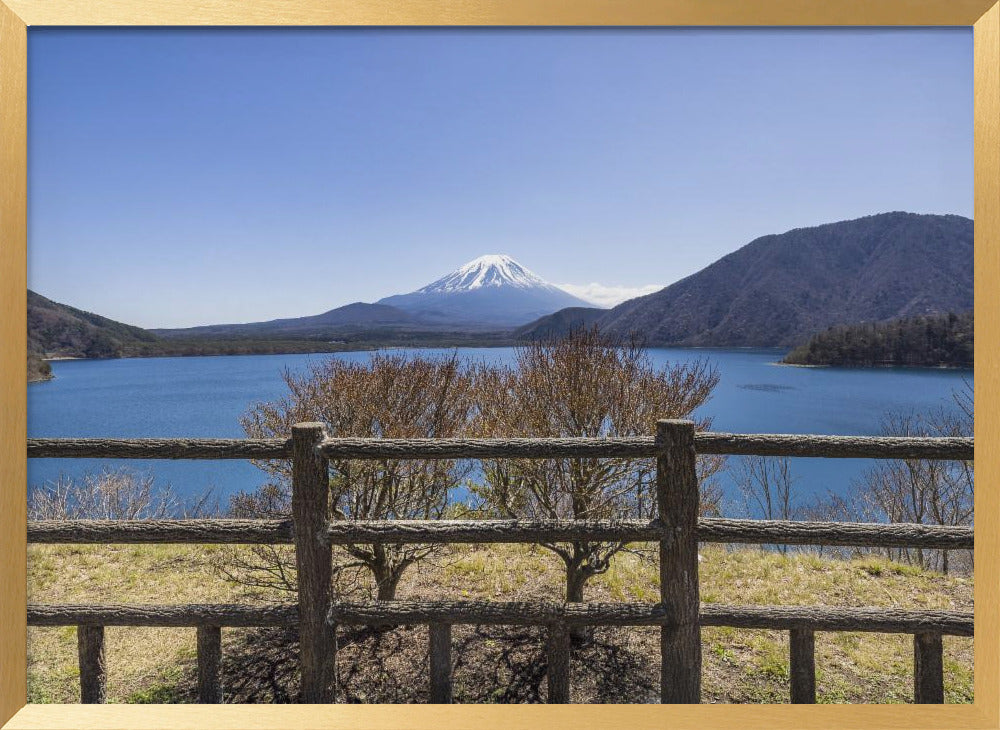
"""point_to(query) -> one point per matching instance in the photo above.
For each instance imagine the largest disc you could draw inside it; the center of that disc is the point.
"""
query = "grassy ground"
(494, 664)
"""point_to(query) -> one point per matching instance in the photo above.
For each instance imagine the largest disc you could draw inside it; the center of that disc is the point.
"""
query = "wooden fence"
(677, 529)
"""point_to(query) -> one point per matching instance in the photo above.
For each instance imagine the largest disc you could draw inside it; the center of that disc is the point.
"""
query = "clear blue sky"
(181, 177)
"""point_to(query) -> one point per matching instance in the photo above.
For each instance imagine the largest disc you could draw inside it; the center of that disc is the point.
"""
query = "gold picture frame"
(15, 18)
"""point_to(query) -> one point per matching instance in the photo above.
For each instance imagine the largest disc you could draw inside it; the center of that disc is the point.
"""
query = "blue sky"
(181, 177)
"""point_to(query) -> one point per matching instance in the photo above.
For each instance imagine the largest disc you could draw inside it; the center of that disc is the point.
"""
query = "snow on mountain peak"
(491, 290)
(492, 270)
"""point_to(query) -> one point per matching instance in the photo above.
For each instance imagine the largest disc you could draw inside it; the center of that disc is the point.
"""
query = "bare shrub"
(766, 484)
(923, 491)
(964, 398)
(113, 494)
(263, 569)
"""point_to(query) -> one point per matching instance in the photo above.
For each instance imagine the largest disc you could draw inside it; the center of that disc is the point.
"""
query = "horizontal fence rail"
(165, 448)
(845, 534)
(528, 613)
(710, 529)
(835, 447)
(511, 448)
(844, 447)
(133, 532)
(677, 530)
(190, 614)
(706, 442)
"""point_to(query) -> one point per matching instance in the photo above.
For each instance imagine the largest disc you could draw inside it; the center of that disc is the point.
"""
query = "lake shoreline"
(886, 366)
(500, 346)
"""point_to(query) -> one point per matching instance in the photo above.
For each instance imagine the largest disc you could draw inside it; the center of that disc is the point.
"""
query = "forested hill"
(558, 324)
(58, 330)
(940, 340)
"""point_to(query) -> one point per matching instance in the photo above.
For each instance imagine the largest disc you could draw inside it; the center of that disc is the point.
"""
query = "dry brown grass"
(496, 664)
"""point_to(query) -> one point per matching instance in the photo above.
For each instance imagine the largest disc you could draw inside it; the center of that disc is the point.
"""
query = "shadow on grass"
(492, 664)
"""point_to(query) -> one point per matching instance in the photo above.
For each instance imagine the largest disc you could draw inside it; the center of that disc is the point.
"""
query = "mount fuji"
(488, 296)
(492, 290)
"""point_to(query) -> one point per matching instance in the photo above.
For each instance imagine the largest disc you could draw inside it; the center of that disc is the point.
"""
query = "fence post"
(802, 666)
(440, 651)
(928, 669)
(93, 676)
(310, 512)
(558, 649)
(209, 665)
(677, 504)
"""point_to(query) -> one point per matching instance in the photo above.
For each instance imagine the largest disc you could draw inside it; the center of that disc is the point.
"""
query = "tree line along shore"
(940, 340)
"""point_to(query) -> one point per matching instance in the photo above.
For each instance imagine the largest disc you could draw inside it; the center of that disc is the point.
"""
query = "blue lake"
(205, 396)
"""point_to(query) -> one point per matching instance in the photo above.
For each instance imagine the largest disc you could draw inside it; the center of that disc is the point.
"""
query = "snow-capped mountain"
(492, 289)
(489, 270)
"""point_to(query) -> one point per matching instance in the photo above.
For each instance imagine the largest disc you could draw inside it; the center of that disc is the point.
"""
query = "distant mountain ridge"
(489, 294)
(780, 289)
(493, 289)
(348, 318)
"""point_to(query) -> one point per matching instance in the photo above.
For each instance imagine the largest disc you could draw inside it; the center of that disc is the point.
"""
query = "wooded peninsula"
(943, 340)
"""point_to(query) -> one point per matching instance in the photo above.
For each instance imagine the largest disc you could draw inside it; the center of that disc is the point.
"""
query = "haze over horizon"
(182, 177)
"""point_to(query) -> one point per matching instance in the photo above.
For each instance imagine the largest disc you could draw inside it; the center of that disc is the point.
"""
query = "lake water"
(205, 396)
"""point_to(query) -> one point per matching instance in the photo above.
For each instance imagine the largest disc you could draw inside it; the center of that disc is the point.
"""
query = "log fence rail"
(676, 528)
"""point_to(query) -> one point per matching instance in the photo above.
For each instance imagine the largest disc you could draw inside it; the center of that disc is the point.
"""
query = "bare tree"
(392, 396)
(766, 484)
(583, 385)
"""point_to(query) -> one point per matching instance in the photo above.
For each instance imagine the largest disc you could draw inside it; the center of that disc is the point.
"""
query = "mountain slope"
(58, 330)
(780, 289)
(491, 290)
(559, 323)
